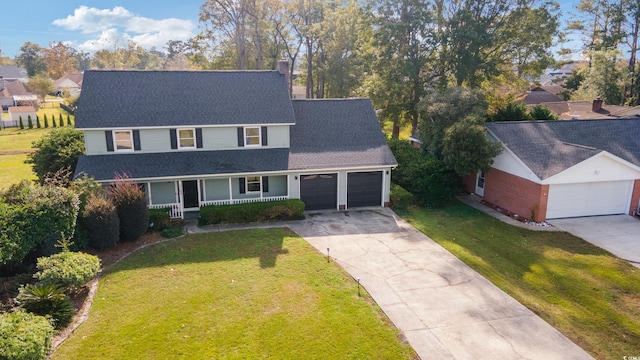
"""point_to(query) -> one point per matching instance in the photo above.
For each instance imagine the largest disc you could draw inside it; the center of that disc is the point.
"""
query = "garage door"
(588, 199)
(364, 189)
(319, 191)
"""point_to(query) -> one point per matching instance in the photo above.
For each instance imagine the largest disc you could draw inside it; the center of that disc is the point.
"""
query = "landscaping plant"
(24, 336)
(101, 222)
(68, 269)
(131, 206)
(49, 301)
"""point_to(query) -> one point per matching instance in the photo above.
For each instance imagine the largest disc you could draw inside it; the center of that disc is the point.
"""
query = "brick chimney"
(597, 104)
(283, 68)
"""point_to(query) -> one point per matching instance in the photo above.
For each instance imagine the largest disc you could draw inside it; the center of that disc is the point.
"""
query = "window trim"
(115, 141)
(253, 182)
(178, 138)
(259, 135)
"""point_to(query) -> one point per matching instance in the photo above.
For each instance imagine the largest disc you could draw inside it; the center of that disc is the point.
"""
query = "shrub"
(24, 336)
(172, 232)
(67, 269)
(56, 150)
(21, 123)
(46, 121)
(29, 122)
(292, 209)
(159, 219)
(38, 122)
(60, 121)
(49, 301)
(32, 215)
(100, 218)
(400, 197)
(68, 120)
(131, 205)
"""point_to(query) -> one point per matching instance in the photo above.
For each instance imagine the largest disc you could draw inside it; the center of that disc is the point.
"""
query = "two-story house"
(195, 138)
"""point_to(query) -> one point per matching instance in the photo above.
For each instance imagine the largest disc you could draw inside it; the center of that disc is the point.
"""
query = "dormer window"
(122, 140)
(252, 136)
(186, 138)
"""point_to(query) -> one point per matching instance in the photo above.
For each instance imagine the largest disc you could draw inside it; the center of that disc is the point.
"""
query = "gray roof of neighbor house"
(336, 133)
(138, 99)
(182, 163)
(13, 72)
(549, 147)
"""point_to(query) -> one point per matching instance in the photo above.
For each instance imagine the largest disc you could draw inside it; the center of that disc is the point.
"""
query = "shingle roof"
(549, 147)
(76, 78)
(14, 88)
(135, 99)
(535, 97)
(332, 133)
(182, 163)
(13, 72)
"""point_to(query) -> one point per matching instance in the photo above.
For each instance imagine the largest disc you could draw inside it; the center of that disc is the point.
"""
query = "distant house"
(231, 137)
(17, 112)
(559, 169)
(538, 95)
(14, 93)
(70, 83)
(12, 72)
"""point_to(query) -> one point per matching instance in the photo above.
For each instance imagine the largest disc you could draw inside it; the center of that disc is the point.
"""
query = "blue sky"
(93, 25)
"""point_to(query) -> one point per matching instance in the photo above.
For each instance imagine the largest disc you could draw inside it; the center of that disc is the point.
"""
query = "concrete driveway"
(444, 308)
(618, 234)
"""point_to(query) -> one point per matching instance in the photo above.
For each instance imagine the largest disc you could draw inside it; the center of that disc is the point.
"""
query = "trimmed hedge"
(100, 218)
(24, 336)
(400, 197)
(68, 269)
(159, 219)
(131, 206)
(292, 209)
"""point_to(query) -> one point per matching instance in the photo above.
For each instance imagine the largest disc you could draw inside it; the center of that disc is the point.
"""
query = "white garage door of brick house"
(589, 199)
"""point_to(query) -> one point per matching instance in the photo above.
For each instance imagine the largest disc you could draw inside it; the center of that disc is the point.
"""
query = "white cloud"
(115, 27)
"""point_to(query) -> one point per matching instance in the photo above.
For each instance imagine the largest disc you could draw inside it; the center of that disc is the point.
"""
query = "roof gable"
(332, 133)
(550, 147)
(135, 99)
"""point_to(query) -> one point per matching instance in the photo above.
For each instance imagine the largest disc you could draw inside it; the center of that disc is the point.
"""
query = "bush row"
(292, 209)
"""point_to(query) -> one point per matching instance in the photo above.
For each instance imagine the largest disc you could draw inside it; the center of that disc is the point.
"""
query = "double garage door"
(589, 199)
(320, 191)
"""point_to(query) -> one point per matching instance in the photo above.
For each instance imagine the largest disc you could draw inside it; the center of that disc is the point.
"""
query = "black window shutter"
(265, 184)
(264, 135)
(174, 138)
(240, 136)
(109, 136)
(199, 138)
(136, 140)
(242, 185)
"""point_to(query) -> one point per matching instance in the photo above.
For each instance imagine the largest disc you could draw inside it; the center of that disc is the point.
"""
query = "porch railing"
(242, 201)
(175, 210)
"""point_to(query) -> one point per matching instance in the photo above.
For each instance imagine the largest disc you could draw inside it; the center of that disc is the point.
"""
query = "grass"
(243, 295)
(583, 291)
(16, 143)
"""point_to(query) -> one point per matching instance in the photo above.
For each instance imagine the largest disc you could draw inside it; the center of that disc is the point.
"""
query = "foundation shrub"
(24, 336)
(292, 209)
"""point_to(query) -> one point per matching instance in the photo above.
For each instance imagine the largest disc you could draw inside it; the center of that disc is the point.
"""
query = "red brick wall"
(635, 198)
(469, 183)
(516, 194)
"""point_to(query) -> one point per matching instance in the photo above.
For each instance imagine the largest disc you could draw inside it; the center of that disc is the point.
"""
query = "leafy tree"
(31, 58)
(508, 109)
(440, 110)
(466, 147)
(41, 85)
(604, 78)
(541, 112)
(60, 59)
(56, 150)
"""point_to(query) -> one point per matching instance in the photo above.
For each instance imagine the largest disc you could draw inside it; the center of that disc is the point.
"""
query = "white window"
(252, 136)
(122, 140)
(186, 138)
(253, 184)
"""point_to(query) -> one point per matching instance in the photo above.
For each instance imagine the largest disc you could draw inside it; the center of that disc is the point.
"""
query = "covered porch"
(186, 195)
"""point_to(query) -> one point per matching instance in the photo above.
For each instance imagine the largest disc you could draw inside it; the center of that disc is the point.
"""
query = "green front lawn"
(242, 294)
(581, 290)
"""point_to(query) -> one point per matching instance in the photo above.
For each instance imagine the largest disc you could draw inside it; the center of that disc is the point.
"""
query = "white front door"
(480, 183)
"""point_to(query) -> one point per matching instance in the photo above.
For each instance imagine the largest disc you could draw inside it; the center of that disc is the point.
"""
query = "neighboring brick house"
(195, 138)
(557, 169)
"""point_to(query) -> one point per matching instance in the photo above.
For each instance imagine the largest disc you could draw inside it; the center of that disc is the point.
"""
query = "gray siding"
(217, 189)
(277, 186)
(163, 193)
(95, 142)
(155, 140)
(278, 136)
(219, 138)
(236, 191)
